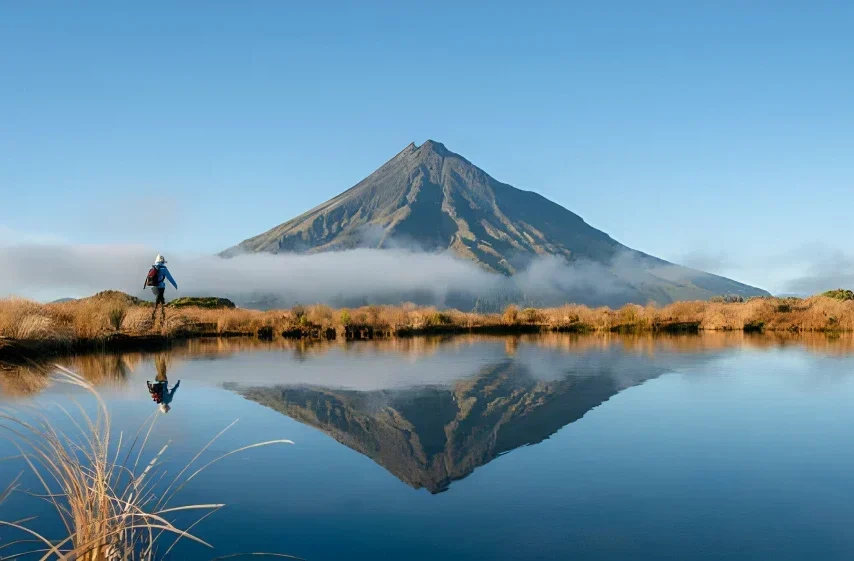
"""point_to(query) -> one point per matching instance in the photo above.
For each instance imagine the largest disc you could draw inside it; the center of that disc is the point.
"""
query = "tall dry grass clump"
(321, 315)
(823, 313)
(27, 320)
(92, 317)
(511, 314)
(116, 315)
(112, 503)
(228, 321)
(137, 319)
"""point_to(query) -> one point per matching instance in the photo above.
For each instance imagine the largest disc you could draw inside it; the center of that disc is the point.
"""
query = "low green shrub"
(839, 294)
(208, 302)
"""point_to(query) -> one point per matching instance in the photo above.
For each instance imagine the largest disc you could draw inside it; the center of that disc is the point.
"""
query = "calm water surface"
(554, 447)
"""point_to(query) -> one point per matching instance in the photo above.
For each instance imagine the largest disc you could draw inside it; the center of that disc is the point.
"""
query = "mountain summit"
(428, 197)
(433, 199)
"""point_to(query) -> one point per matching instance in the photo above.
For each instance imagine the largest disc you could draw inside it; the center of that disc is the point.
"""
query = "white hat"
(164, 408)
(159, 259)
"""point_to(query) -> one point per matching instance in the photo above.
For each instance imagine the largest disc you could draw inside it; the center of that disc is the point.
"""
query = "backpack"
(153, 277)
(156, 391)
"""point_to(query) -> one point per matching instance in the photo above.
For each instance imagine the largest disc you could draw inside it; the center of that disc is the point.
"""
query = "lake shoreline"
(15, 351)
(114, 321)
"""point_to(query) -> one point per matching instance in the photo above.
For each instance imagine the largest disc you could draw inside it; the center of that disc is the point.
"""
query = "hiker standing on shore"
(156, 279)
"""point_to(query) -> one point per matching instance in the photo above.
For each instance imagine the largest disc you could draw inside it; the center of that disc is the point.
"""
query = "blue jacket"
(169, 394)
(164, 274)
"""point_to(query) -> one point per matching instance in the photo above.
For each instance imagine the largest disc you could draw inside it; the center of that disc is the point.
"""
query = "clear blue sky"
(718, 133)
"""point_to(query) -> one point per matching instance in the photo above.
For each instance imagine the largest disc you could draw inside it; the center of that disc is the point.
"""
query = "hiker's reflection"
(159, 390)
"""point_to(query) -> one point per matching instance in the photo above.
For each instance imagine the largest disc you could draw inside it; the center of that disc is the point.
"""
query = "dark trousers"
(158, 292)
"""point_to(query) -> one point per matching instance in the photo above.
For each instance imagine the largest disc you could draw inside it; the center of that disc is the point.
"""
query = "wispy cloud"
(10, 236)
(389, 275)
(823, 268)
(84, 269)
(807, 269)
(712, 262)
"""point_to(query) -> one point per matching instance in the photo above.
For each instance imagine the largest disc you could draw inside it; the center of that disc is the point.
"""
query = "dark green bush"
(208, 302)
(839, 294)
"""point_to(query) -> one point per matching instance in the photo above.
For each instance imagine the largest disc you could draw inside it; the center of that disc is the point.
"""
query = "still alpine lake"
(718, 446)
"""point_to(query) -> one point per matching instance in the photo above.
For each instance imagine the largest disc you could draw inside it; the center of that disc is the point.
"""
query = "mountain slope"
(427, 196)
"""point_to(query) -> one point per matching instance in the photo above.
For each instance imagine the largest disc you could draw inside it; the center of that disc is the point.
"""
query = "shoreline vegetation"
(114, 320)
(114, 368)
(110, 504)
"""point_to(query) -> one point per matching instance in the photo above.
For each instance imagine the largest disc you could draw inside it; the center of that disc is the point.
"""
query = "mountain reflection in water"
(430, 436)
(447, 414)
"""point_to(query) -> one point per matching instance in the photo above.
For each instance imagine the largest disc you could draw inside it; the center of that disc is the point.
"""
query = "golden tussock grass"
(113, 503)
(107, 315)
